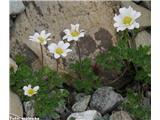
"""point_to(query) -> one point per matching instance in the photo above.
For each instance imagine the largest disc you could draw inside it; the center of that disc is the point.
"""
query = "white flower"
(74, 33)
(126, 19)
(41, 38)
(29, 91)
(59, 50)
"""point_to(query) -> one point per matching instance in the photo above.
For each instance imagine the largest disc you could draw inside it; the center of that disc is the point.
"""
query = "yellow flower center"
(31, 91)
(75, 33)
(127, 20)
(59, 51)
(41, 40)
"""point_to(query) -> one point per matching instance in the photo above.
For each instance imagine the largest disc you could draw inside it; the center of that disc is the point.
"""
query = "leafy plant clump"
(133, 104)
(87, 80)
(122, 55)
(51, 94)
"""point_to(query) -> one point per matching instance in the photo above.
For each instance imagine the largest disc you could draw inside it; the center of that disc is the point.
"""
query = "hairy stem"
(63, 63)
(42, 54)
(57, 62)
(57, 65)
(127, 36)
(80, 61)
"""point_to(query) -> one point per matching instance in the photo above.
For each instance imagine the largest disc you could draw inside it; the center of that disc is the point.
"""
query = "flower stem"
(42, 54)
(57, 61)
(63, 63)
(79, 52)
(80, 61)
(127, 36)
(129, 43)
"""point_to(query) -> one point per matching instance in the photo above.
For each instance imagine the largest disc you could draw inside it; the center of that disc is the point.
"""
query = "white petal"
(64, 54)
(65, 37)
(26, 93)
(29, 86)
(116, 25)
(76, 38)
(52, 47)
(131, 27)
(73, 27)
(34, 40)
(31, 37)
(60, 44)
(77, 27)
(68, 50)
(137, 15)
(81, 34)
(44, 43)
(122, 10)
(117, 18)
(136, 25)
(66, 31)
(130, 9)
(47, 35)
(48, 39)
(43, 33)
(70, 38)
(36, 88)
(66, 45)
(56, 55)
(126, 12)
(25, 88)
(121, 28)
(36, 35)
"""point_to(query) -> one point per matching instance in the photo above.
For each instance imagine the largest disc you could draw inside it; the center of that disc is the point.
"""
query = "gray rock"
(79, 96)
(16, 108)
(147, 4)
(46, 118)
(16, 7)
(143, 38)
(87, 115)
(148, 94)
(60, 109)
(81, 104)
(145, 19)
(146, 102)
(29, 108)
(10, 23)
(13, 65)
(105, 117)
(36, 65)
(120, 115)
(105, 99)
(137, 1)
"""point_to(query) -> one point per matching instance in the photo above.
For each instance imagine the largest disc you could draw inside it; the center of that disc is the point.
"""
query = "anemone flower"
(29, 91)
(126, 19)
(42, 39)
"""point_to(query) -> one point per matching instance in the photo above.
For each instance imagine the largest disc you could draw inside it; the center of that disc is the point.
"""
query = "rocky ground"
(97, 19)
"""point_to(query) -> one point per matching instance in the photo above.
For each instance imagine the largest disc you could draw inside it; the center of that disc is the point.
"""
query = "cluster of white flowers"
(125, 20)
(61, 49)
(58, 50)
